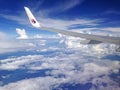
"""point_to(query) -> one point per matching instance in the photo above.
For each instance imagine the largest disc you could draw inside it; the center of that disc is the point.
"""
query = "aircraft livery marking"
(33, 21)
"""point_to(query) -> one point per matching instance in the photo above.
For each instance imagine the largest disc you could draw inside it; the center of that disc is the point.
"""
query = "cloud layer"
(64, 66)
(64, 61)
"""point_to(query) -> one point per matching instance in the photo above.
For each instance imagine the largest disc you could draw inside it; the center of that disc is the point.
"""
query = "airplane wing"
(93, 38)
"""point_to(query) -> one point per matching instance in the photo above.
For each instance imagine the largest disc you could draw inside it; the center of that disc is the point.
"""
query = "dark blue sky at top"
(87, 7)
(101, 9)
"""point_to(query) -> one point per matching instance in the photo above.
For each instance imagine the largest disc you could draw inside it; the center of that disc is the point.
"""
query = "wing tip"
(31, 17)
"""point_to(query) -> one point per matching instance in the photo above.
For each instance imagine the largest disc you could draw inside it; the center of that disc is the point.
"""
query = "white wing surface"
(93, 38)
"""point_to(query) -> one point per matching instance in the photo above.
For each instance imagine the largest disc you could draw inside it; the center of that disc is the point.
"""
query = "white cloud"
(8, 44)
(79, 43)
(113, 29)
(98, 84)
(64, 24)
(43, 40)
(61, 23)
(76, 66)
(40, 83)
(3, 36)
(19, 19)
(56, 23)
(37, 36)
(22, 33)
(72, 3)
(61, 7)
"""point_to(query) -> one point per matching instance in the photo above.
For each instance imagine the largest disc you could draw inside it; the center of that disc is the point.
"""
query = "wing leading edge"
(96, 38)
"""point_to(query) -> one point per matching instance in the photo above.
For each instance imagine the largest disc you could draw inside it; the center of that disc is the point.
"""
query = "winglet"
(32, 19)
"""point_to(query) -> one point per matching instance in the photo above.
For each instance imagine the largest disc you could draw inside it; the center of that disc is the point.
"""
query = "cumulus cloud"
(44, 83)
(43, 40)
(82, 68)
(22, 33)
(24, 43)
(73, 42)
(12, 45)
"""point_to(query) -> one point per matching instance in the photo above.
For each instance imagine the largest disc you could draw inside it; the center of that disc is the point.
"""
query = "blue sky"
(77, 13)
